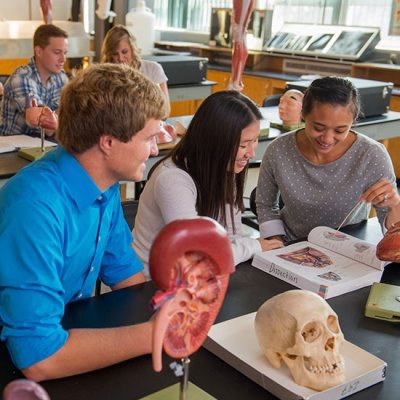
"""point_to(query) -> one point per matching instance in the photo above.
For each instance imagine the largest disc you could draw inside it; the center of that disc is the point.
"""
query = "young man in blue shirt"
(62, 226)
(36, 87)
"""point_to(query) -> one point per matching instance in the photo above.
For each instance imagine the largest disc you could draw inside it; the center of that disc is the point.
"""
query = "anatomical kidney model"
(290, 106)
(299, 328)
(190, 261)
(388, 248)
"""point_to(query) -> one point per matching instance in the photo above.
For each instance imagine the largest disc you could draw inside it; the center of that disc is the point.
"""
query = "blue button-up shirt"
(58, 232)
(24, 82)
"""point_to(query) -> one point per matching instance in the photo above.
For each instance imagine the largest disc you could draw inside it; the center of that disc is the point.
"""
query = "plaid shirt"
(24, 82)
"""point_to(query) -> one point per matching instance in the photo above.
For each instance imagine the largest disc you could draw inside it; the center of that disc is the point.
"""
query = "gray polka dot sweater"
(317, 195)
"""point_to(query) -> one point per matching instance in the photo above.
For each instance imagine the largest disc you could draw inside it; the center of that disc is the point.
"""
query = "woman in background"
(323, 170)
(119, 46)
(204, 175)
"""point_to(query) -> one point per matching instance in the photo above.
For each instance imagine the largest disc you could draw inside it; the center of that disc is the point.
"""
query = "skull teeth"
(323, 369)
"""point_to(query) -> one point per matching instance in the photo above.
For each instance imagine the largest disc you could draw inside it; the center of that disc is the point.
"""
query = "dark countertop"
(263, 74)
(248, 288)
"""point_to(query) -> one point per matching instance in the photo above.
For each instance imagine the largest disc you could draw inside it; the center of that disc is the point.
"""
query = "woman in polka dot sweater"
(321, 171)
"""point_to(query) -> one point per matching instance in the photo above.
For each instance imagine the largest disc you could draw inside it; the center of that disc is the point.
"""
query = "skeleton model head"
(300, 328)
(290, 106)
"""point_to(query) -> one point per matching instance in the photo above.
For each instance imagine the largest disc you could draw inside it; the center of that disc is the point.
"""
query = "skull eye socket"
(311, 332)
(333, 324)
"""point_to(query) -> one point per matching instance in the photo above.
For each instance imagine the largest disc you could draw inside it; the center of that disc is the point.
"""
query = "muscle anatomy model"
(240, 18)
(47, 11)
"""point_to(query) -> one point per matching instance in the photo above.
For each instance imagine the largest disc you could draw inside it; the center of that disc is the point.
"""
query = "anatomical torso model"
(190, 261)
(240, 17)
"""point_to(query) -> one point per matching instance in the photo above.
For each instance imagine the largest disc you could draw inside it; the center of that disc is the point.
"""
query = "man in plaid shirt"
(32, 93)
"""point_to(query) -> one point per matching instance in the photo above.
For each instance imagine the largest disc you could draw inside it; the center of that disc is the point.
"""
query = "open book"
(330, 263)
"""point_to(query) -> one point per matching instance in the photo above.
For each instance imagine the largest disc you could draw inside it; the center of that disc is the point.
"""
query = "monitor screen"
(220, 27)
(298, 42)
(279, 40)
(350, 42)
(319, 42)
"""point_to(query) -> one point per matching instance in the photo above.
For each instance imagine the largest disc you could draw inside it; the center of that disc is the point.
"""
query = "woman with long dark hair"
(205, 175)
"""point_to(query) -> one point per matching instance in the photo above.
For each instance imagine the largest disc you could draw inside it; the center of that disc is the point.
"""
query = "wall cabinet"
(386, 73)
(255, 87)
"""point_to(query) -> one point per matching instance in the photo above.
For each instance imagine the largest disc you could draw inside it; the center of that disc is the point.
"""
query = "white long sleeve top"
(171, 194)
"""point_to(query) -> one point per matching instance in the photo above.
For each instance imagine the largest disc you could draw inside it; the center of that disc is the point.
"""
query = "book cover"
(330, 263)
(235, 342)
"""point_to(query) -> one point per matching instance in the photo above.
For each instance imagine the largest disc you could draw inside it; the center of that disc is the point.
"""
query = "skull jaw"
(320, 374)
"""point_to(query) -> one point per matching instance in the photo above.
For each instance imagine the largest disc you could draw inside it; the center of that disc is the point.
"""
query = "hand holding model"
(41, 116)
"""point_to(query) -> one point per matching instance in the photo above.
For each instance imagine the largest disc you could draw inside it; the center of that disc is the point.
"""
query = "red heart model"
(388, 248)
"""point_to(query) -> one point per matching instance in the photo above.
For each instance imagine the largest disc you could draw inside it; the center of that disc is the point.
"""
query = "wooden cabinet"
(385, 73)
(221, 77)
(255, 87)
(377, 72)
(179, 108)
(394, 144)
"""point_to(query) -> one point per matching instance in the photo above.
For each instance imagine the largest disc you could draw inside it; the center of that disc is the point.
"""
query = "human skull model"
(300, 328)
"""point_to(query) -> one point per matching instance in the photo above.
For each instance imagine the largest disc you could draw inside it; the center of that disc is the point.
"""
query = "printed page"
(347, 245)
(22, 141)
(316, 264)
(6, 146)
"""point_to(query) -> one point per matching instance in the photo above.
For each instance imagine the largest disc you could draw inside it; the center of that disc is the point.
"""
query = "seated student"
(323, 170)
(119, 46)
(204, 175)
(62, 225)
(32, 93)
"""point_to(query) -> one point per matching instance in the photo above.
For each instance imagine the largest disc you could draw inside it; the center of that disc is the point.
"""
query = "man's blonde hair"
(110, 99)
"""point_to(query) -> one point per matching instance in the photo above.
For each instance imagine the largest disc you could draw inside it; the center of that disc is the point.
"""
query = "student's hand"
(382, 194)
(32, 115)
(171, 130)
(167, 134)
(270, 244)
(48, 120)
